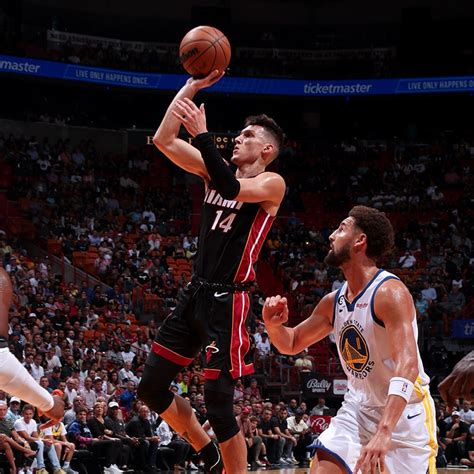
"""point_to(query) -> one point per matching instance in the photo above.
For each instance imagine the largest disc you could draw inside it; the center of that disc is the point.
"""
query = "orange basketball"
(204, 49)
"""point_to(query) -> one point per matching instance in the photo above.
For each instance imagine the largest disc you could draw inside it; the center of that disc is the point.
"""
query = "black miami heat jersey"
(230, 239)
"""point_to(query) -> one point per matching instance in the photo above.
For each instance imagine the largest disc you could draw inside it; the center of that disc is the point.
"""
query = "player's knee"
(158, 398)
(154, 390)
(220, 414)
(224, 427)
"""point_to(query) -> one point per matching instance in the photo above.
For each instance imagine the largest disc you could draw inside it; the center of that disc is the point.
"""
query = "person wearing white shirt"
(466, 413)
(263, 347)
(70, 390)
(127, 354)
(37, 370)
(26, 428)
(428, 292)
(407, 261)
(126, 373)
(52, 360)
(88, 394)
(179, 447)
(302, 432)
(258, 335)
(150, 215)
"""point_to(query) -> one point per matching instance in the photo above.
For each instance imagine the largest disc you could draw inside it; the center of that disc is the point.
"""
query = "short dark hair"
(269, 125)
(377, 227)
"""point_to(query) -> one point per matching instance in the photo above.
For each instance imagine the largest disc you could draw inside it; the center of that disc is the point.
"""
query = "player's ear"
(361, 242)
(267, 152)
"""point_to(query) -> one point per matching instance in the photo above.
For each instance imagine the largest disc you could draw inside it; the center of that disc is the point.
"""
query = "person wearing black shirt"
(117, 428)
(456, 435)
(80, 434)
(140, 427)
(96, 424)
(269, 438)
(287, 440)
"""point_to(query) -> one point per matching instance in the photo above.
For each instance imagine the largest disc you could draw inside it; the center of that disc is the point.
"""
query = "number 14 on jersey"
(224, 224)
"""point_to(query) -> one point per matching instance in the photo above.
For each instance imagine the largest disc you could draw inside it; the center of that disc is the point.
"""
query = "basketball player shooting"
(387, 421)
(14, 378)
(237, 213)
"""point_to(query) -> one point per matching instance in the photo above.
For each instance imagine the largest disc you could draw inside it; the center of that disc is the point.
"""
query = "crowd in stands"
(86, 340)
(434, 251)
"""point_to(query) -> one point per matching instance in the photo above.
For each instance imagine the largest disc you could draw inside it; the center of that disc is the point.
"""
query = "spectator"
(140, 427)
(179, 448)
(16, 448)
(70, 392)
(26, 428)
(37, 370)
(466, 414)
(319, 408)
(127, 354)
(302, 432)
(304, 362)
(116, 426)
(456, 434)
(269, 438)
(239, 391)
(253, 390)
(407, 261)
(88, 394)
(96, 424)
(64, 449)
(13, 413)
(125, 373)
(469, 451)
(245, 426)
(71, 414)
(128, 396)
(428, 292)
(287, 441)
(44, 382)
(82, 438)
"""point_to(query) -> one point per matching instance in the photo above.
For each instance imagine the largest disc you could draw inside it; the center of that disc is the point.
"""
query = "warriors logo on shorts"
(353, 348)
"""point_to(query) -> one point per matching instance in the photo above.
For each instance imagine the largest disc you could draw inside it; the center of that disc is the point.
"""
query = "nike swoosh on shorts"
(217, 295)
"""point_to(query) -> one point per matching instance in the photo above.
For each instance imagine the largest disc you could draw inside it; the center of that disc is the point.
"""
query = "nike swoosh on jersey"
(217, 295)
(413, 416)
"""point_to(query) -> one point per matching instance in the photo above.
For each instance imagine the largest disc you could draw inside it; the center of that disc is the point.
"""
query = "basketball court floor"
(305, 470)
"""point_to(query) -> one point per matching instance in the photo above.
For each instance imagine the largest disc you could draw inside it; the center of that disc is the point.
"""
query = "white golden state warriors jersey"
(363, 346)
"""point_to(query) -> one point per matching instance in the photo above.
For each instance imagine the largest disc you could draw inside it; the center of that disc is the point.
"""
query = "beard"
(336, 259)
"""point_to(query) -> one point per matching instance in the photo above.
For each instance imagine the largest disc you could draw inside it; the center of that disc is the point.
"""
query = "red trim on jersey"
(212, 374)
(170, 355)
(240, 341)
(258, 232)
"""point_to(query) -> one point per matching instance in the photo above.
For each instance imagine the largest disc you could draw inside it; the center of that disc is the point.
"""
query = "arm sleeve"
(15, 380)
(221, 175)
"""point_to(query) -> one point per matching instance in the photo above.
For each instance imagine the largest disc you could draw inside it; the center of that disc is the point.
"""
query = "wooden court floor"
(305, 470)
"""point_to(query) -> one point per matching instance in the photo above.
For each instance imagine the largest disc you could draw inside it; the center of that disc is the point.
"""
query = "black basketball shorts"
(212, 317)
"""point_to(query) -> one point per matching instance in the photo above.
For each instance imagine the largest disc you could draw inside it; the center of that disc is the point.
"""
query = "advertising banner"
(319, 423)
(463, 329)
(236, 85)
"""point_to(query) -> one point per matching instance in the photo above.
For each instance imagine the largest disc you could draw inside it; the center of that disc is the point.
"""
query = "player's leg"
(219, 395)
(154, 391)
(338, 448)
(414, 447)
(325, 463)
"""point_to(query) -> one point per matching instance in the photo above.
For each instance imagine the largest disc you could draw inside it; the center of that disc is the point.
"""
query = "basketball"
(204, 49)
